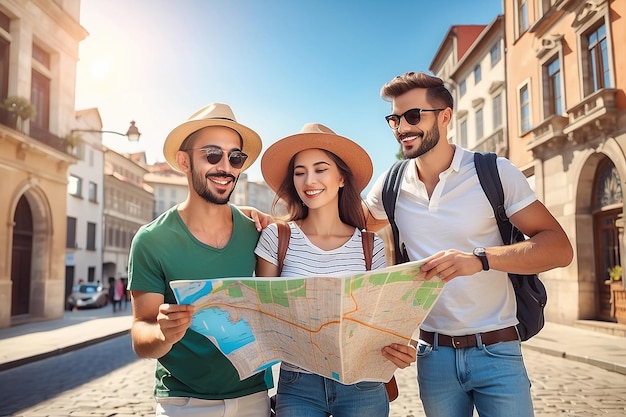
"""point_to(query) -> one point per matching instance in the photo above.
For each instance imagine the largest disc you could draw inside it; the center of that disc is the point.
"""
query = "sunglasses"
(412, 117)
(214, 155)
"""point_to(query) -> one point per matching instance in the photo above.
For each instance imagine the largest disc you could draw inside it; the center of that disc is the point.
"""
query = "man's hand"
(401, 355)
(261, 220)
(450, 264)
(173, 321)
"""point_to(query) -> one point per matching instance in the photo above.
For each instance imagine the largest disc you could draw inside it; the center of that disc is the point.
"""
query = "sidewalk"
(26, 343)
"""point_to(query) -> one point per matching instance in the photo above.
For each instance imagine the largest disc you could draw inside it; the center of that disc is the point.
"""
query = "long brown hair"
(350, 211)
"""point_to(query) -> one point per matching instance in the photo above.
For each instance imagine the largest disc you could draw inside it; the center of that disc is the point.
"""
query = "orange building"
(566, 80)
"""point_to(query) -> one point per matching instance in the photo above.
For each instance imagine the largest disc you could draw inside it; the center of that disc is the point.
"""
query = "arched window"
(607, 207)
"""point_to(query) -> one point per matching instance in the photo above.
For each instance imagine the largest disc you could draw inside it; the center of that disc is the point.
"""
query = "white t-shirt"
(304, 259)
(458, 216)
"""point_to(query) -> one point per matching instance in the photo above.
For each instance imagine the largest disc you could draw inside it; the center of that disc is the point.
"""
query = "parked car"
(88, 295)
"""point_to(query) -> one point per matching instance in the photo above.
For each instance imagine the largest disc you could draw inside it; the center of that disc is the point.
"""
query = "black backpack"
(530, 293)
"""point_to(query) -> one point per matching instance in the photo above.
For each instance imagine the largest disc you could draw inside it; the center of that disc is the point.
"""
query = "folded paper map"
(333, 326)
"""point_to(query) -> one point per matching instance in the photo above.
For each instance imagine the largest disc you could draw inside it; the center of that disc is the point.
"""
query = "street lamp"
(132, 133)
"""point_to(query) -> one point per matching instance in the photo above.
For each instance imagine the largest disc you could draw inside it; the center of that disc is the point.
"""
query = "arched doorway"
(21, 258)
(606, 208)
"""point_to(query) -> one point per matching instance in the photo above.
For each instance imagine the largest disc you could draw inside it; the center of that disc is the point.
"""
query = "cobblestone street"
(560, 387)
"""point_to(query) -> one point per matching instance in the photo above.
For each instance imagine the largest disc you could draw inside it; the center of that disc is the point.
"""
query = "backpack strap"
(367, 239)
(489, 177)
(284, 235)
(391, 189)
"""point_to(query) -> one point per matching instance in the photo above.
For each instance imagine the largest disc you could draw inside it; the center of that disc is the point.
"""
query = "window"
(552, 76)
(71, 233)
(546, 5)
(75, 185)
(497, 111)
(5, 22)
(5, 46)
(597, 73)
(40, 88)
(477, 74)
(40, 98)
(91, 236)
(41, 56)
(480, 131)
(463, 133)
(462, 88)
(524, 108)
(93, 192)
(495, 54)
(91, 274)
(522, 17)
(109, 232)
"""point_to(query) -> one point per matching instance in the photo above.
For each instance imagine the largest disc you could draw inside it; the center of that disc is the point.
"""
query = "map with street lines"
(332, 326)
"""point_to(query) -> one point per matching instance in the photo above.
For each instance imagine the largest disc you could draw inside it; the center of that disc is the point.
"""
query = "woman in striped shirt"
(318, 176)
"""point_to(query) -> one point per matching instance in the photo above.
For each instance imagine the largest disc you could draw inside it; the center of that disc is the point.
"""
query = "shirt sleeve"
(267, 246)
(517, 191)
(374, 199)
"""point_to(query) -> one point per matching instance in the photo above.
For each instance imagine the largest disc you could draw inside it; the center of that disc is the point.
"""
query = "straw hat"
(275, 160)
(214, 114)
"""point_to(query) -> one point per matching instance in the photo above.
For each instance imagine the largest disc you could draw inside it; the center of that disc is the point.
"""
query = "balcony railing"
(591, 117)
(548, 134)
(8, 119)
(42, 135)
(496, 142)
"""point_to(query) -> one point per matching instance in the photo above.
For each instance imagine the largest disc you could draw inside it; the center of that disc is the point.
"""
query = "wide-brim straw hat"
(275, 160)
(214, 114)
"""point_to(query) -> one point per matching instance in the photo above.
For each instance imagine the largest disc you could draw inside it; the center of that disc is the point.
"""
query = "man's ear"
(446, 116)
(183, 161)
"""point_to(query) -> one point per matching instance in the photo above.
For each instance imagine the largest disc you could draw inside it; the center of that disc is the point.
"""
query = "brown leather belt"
(507, 334)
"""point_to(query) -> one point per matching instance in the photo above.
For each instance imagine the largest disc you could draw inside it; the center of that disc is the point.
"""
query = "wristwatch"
(482, 255)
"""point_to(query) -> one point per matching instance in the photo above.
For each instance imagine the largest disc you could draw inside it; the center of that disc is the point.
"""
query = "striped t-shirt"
(304, 259)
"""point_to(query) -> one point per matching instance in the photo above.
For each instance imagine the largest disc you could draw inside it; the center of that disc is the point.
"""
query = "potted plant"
(73, 139)
(21, 108)
(618, 294)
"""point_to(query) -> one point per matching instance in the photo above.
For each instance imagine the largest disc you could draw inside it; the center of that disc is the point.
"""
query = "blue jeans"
(310, 395)
(491, 378)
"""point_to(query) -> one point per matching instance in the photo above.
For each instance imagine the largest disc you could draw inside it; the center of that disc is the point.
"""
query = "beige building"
(471, 62)
(38, 54)
(128, 204)
(83, 258)
(170, 186)
(566, 80)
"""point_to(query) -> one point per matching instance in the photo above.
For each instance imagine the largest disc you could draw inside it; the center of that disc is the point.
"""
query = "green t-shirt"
(164, 251)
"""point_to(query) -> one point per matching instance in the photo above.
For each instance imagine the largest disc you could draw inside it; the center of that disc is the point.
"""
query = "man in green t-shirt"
(202, 237)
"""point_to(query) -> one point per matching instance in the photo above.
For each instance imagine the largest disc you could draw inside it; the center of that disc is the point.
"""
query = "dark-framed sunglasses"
(412, 117)
(213, 155)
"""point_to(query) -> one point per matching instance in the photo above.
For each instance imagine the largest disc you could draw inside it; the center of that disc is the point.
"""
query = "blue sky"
(278, 63)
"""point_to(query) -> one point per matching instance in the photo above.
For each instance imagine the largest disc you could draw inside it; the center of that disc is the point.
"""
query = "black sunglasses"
(412, 117)
(214, 155)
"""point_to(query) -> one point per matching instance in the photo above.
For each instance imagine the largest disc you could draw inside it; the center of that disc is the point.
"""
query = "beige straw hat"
(214, 114)
(275, 160)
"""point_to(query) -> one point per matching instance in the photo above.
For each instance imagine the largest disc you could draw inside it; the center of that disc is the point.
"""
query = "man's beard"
(200, 186)
(428, 142)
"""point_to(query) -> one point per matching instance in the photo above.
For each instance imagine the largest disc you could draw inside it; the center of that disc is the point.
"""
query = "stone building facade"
(38, 53)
